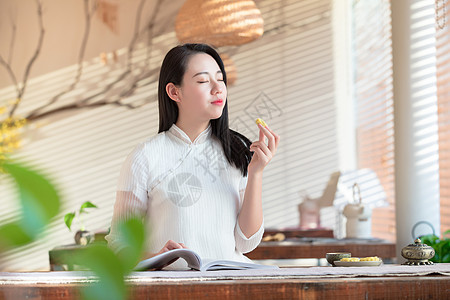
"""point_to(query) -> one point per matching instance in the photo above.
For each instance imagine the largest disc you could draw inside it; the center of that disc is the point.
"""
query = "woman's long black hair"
(235, 145)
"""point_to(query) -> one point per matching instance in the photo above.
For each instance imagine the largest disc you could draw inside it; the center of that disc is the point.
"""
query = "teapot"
(359, 217)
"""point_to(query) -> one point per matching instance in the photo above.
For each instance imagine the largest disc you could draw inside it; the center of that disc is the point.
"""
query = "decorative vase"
(418, 253)
(83, 237)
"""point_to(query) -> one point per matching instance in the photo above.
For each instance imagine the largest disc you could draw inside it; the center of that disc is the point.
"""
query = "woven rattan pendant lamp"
(219, 22)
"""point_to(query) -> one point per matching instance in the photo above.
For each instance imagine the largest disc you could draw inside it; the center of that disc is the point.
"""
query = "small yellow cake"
(261, 121)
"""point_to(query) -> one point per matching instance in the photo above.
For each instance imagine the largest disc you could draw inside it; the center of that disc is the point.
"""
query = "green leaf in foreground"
(39, 202)
(13, 235)
(132, 236)
(109, 267)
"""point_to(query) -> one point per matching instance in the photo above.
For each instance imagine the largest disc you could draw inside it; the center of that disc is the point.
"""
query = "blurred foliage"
(110, 267)
(440, 245)
(39, 203)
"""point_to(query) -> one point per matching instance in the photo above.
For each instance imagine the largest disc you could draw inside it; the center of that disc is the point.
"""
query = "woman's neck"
(192, 129)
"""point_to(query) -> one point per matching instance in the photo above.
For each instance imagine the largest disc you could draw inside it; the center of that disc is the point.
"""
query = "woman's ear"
(173, 92)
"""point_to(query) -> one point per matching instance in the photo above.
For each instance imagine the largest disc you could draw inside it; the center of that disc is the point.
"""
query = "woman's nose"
(217, 89)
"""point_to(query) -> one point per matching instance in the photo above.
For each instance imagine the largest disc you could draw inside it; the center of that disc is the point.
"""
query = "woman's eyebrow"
(206, 73)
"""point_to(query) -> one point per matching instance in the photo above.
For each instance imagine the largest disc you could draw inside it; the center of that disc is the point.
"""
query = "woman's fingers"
(262, 152)
(272, 138)
(260, 155)
(171, 245)
(276, 137)
(261, 133)
(263, 147)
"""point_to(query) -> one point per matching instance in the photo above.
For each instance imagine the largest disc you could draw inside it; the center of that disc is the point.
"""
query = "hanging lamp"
(219, 22)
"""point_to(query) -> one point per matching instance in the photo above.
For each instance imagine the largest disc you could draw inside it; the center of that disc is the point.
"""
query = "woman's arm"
(128, 206)
(251, 214)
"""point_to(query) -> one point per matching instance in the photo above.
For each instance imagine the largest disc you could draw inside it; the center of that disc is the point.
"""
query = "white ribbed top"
(188, 192)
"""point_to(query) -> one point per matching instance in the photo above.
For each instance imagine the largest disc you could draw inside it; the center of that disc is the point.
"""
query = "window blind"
(443, 96)
(374, 103)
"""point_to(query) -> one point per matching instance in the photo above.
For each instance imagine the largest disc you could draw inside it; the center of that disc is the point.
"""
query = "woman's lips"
(218, 102)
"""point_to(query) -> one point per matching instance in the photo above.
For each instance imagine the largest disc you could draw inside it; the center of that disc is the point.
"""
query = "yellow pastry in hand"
(261, 121)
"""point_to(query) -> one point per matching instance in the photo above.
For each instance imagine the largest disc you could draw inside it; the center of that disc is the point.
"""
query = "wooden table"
(402, 287)
(298, 232)
(291, 249)
(316, 249)
(434, 287)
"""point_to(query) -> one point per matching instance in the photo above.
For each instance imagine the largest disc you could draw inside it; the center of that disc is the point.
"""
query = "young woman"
(197, 183)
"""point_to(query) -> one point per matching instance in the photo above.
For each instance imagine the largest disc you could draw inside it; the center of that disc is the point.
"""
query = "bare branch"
(11, 45)
(107, 88)
(11, 73)
(135, 34)
(94, 7)
(32, 60)
(147, 29)
(144, 77)
(124, 93)
(74, 106)
(150, 26)
(7, 63)
(131, 89)
(117, 101)
(130, 50)
(88, 18)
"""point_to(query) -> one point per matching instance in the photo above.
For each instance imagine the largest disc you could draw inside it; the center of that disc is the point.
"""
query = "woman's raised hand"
(263, 153)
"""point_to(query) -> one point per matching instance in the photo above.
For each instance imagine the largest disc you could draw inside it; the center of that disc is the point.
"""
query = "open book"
(195, 262)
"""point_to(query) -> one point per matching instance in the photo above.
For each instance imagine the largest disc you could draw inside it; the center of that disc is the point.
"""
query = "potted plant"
(441, 246)
(82, 236)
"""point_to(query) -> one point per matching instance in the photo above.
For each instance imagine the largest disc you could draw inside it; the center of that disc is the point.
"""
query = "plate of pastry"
(373, 261)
